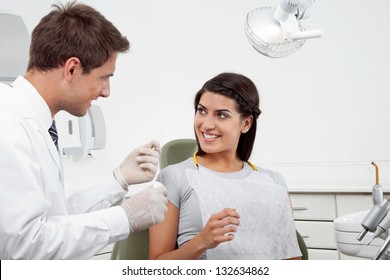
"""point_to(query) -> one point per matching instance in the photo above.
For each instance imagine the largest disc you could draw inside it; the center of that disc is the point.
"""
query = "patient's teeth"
(209, 136)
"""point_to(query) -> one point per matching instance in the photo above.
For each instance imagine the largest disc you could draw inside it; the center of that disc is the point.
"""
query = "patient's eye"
(222, 115)
(201, 110)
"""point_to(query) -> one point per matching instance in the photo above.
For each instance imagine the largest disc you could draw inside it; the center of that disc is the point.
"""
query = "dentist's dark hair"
(74, 30)
(242, 90)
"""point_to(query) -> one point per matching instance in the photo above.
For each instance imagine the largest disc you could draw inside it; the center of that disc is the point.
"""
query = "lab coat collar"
(35, 107)
(35, 104)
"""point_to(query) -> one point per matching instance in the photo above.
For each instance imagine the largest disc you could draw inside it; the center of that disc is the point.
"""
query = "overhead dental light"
(277, 32)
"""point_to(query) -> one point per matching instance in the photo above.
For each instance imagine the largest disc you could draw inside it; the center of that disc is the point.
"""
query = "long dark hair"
(241, 89)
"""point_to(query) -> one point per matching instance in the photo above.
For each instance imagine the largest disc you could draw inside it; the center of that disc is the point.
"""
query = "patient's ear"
(246, 125)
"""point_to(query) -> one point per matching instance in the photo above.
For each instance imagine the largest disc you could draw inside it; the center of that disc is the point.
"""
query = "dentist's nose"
(106, 90)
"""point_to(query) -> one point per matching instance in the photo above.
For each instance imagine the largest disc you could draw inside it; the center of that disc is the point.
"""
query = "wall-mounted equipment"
(81, 137)
(14, 47)
(277, 32)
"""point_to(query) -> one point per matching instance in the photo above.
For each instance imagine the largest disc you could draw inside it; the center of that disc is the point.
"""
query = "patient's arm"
(162, 237)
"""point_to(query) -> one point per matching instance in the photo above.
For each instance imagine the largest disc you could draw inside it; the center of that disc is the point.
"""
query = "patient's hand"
(219, 228)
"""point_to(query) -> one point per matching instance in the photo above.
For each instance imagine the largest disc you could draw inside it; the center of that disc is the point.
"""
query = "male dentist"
(72, 57)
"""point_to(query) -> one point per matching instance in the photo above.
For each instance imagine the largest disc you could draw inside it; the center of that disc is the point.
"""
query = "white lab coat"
(37, 220)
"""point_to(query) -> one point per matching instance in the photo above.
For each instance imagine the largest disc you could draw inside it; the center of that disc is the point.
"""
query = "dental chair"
(136, 246)
(302, 246)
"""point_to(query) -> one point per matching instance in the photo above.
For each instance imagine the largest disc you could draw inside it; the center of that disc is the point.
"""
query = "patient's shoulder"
(178, 167)
(275, 176)
(175, 174)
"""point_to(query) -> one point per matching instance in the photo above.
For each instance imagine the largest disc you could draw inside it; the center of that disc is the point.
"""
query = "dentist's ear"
(71, 66)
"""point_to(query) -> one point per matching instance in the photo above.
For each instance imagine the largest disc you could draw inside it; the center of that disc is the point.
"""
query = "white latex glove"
(146, 208)
(139, 166)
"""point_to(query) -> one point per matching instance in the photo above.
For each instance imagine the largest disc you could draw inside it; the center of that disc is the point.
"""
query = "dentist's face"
(88, 87)
(218, 124)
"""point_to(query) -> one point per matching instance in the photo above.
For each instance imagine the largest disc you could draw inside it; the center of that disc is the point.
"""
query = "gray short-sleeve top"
(271, 242)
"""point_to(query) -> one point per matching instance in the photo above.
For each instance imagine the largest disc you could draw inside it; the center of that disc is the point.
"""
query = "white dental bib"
(266, 229)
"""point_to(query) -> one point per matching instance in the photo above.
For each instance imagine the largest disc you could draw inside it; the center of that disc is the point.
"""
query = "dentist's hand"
(139, 166)
(146, 208)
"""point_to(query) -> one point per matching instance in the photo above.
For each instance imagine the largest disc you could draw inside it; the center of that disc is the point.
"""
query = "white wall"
(327, 104)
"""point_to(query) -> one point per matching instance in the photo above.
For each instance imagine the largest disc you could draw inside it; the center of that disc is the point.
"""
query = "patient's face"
(218, 124)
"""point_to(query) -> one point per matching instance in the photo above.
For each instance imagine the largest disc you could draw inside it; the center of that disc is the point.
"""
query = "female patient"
(220, 205)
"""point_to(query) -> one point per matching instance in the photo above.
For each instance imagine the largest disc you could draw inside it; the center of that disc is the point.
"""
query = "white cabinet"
(316, 254)
(314, 206)
(350, 203)
(314, 214)
(317, 234)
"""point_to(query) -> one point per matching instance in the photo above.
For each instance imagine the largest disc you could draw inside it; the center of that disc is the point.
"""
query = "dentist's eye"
(106, 78)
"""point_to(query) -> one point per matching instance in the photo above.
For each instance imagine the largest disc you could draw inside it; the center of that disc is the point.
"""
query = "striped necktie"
(54, 134)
